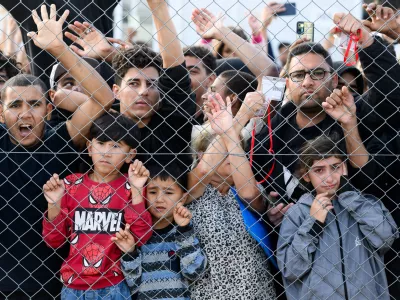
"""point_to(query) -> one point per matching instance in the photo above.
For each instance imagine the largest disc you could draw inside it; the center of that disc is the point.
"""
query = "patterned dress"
(237, 266)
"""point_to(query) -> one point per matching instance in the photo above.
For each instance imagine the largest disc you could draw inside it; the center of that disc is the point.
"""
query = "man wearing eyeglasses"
(315, 108)
(310, 81)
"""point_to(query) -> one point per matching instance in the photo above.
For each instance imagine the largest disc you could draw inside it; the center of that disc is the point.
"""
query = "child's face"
(108, 157)
(162, 197)
(325, 174)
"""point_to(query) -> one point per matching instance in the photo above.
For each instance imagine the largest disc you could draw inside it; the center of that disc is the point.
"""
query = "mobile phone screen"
(305, 29)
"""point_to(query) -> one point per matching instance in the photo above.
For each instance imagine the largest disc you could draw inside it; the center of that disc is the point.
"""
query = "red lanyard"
(271, 147)
(354, 38)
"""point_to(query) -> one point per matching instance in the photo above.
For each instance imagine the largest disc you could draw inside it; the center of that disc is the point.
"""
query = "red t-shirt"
(92, 212)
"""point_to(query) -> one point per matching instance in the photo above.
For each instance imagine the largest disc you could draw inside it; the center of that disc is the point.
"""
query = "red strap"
(354, 38)
(271, 146)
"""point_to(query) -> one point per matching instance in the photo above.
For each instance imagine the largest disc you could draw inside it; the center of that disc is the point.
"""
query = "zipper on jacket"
(346, 295)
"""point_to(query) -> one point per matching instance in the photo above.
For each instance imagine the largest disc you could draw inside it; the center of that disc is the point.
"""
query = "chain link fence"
(218, 150)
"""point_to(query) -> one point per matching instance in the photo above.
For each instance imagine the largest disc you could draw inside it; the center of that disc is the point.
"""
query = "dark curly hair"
(138, 57)
(207, 58)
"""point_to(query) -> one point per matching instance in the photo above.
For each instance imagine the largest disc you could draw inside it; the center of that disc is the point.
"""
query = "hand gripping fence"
(157, 149)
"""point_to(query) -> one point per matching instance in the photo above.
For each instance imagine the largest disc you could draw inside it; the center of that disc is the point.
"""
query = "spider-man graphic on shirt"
(91, 213)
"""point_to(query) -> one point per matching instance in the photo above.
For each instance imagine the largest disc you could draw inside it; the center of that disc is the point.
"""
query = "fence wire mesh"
(187, 150)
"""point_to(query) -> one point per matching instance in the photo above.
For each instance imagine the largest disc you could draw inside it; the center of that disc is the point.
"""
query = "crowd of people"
(131, 174)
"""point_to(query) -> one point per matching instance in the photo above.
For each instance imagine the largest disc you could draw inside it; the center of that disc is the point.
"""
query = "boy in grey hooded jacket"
(332, 241)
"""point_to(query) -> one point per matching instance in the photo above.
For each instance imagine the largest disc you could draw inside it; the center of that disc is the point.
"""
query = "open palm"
(49, 35)
(208, 26)
(93, 42)
(221, 118)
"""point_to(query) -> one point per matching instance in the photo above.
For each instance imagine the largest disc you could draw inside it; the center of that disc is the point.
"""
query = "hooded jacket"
(340, 259)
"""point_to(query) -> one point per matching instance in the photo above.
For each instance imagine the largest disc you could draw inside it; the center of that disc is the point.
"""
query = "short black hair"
(207, 58)
(113, 126)
(305, 48)
(239, 83)
(173, 171)
(285, 45)
(24, 80)
(138, 57)
(239, 31)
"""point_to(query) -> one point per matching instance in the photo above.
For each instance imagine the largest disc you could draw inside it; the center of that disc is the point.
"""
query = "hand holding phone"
(289, 10)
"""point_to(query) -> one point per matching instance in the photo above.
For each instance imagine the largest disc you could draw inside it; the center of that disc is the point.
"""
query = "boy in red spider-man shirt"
(88, 209)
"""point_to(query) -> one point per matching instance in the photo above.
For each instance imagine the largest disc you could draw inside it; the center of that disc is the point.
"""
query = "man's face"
(283, 54)
(68, 82)
(199, 78)
(348, 79)
(308, 94)
(218, 86)
(24, 113)
(139, 94)
(325, 174)
(3, 78)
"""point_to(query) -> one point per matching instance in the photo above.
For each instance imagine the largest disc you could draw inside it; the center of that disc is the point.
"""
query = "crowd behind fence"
(216, 170)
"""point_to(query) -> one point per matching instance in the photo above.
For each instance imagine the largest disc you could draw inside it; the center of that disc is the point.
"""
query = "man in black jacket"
(310, 81)
(156, 93)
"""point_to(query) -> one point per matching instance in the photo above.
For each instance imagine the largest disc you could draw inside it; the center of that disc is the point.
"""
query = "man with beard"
(308, 114)
(311, 79)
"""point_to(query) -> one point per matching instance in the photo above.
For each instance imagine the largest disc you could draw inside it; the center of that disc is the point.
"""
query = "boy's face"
(24, 110)
(325, 174)
(108, 157)
(162, 197)
(138, 93)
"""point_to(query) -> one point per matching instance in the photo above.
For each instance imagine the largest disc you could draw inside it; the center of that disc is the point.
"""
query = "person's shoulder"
(57, 137)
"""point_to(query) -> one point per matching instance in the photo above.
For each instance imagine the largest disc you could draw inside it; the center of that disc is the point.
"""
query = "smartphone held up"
(305, 30)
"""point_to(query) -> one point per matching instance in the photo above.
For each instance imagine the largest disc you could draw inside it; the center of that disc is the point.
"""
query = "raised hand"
(49, 36)
(93, 42)
(254, 23)
(269, 11)
(221, 118)
(124, 239)
(252, 104)
(208, 26)
(54, 190)
(350, 25)
(138, 174)
(340, 106)
(320, 207)
(182, 215)
(383, 20)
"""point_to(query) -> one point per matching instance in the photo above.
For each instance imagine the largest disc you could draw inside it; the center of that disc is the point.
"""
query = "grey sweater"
(340, 259)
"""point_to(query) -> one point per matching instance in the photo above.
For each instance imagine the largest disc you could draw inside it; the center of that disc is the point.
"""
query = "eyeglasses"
(315, 74)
